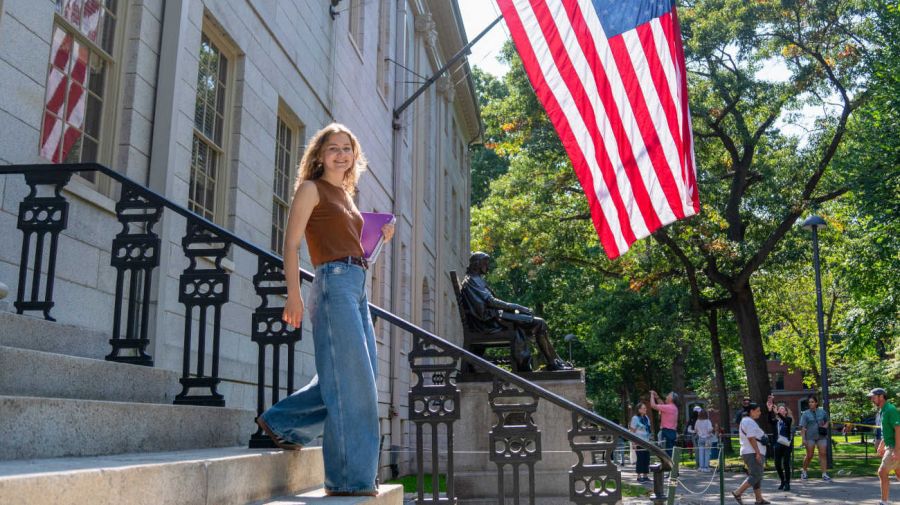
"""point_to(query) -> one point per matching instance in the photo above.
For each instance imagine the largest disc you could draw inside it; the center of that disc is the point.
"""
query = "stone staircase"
(76, 429)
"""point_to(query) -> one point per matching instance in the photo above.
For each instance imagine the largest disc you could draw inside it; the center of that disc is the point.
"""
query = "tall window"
(207, 151)
(77, 80)
(384, 41)
(357, 11)
(778, 381)
(287, 155)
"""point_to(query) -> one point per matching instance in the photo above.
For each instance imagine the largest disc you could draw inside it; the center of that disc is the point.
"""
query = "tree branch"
(829, 196)
(663, 238)
(586, 263)
(576, 217)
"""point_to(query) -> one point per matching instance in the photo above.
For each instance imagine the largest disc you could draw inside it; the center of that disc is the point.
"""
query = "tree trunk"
(678, 378)
(721, 388)
(744, 307)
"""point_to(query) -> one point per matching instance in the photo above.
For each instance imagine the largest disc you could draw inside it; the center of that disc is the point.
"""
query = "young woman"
(640, 426)
(783, 452)
(705, 436)
(810, 423)
(753, 452)
(341, 401)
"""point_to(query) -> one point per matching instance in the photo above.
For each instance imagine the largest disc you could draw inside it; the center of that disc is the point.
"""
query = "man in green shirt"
(887, 448)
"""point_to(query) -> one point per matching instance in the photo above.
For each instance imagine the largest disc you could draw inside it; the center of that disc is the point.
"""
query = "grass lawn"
(409, 483)
(849, 459)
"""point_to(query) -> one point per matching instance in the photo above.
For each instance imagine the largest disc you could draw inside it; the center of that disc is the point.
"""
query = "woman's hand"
(759, 457)
(388, 231)
(293, 311)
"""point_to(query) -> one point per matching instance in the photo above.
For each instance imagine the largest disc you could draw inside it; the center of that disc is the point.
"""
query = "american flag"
(611, 76)
(64, 118)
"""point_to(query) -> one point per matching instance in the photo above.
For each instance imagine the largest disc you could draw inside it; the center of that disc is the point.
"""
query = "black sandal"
(280, 442)
(737, 498)
(764, 502)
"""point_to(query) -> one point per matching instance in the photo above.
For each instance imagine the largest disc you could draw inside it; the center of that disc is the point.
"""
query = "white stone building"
(209, 103)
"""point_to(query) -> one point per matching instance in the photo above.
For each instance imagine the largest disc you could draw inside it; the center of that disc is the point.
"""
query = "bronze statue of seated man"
(489, 314)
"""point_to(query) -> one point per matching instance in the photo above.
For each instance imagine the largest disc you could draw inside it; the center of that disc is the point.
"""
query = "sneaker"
(803, 475)
(825, 477)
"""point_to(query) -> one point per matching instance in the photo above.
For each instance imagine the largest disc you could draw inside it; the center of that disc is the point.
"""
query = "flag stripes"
(68, 74)
(619, 105)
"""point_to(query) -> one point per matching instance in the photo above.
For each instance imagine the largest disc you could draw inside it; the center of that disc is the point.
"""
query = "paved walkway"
(841, 490)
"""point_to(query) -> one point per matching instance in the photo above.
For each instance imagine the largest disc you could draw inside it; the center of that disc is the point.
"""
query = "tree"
(757, 177)
(757, 180)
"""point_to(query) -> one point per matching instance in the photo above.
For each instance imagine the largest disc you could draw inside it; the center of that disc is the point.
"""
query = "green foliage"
(759, 72)
(852, 379)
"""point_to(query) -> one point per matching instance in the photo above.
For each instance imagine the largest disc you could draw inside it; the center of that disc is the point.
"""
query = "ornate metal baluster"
(514, 439)
(135, 250)
(40, 215)
(202, 288)
(595, 478)
(433, 401)
(269, 329)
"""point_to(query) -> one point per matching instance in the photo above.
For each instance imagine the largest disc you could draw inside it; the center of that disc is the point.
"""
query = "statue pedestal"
(476, 479)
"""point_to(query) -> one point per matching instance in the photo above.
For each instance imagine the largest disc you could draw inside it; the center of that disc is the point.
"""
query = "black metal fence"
(434, 398)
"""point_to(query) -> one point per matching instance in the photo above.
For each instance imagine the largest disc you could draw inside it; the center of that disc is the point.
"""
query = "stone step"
(38, 334)
(388, 494)
(226, 476)
(32, 427)
(25, 372)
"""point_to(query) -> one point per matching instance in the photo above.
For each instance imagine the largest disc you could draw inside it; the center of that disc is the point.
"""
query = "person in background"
(813, 428)
(640, 426)
(690, 434)
(753, 452)
(704, 430)
(771, 426)
(668, 418)
(784, 432)
(887, 448)
(741, 412)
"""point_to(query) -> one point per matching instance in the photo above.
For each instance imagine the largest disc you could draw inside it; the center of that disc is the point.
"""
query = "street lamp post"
(813, 223)
(569, 338)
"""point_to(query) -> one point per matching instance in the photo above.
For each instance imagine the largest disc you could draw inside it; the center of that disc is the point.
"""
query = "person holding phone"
(341, 401)
(784, 446)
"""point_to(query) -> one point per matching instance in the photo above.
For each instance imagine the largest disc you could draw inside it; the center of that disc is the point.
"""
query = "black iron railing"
(434, 398)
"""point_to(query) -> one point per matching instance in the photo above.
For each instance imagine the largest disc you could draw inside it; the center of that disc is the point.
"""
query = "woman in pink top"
(668, 418)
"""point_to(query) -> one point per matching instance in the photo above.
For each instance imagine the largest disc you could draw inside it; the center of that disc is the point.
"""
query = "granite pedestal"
(476, 477)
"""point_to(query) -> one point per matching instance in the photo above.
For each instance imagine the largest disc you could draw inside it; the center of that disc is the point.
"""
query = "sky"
(477, 14)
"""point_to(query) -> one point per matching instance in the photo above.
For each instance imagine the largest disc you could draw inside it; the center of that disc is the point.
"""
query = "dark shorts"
(754, 470)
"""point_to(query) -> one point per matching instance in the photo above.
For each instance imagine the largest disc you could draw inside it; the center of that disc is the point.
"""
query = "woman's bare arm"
(305, 199)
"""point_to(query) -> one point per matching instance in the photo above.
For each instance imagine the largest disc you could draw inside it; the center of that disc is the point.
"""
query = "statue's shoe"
(558, 365)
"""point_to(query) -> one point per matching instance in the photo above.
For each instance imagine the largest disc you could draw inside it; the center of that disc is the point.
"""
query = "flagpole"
(431, 80)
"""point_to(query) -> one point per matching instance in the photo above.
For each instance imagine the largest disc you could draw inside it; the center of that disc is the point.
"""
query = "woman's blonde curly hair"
(311, 166)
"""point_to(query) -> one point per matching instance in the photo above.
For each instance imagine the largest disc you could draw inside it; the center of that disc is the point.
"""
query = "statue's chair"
(477, 342)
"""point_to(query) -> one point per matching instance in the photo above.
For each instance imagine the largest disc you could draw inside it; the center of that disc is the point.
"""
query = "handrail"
(151, 195)
(524, 384)
(393, 319)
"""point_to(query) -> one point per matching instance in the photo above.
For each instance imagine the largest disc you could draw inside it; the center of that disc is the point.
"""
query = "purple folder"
(372, 239)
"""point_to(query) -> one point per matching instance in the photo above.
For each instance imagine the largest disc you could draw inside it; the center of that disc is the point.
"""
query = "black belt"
(351, 260)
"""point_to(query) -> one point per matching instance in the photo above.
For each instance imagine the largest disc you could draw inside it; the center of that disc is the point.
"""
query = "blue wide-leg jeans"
(341, 401)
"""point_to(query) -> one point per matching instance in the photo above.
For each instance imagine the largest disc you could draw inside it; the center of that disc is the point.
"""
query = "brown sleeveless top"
(334, 227)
